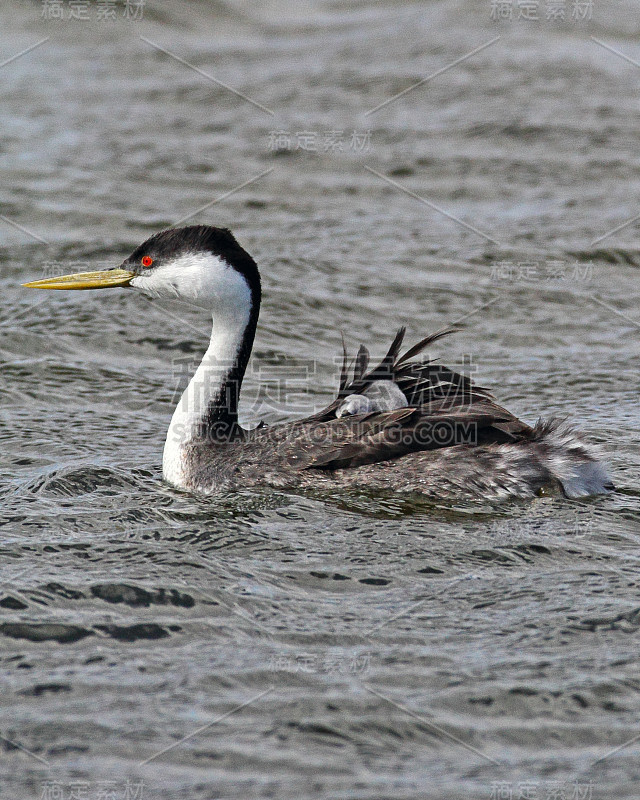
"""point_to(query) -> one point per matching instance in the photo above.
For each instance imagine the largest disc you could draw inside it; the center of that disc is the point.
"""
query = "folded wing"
(445, 409)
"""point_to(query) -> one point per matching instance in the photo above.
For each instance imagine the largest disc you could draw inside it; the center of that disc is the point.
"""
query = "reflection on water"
(270, 644)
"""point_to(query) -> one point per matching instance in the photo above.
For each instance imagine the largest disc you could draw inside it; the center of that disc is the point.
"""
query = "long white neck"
(211, 396)
(207, 411)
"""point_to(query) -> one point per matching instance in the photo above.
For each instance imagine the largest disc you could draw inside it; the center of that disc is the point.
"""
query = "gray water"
(160, 645)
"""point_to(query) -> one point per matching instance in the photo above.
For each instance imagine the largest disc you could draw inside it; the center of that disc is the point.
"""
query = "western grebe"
(406, 425)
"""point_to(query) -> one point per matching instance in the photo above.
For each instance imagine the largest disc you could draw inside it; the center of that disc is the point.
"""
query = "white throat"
(207, 281)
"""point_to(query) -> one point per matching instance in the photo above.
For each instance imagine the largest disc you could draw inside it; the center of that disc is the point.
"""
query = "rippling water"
(273, 645)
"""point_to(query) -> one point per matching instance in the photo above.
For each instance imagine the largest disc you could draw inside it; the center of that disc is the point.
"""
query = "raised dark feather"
(445, 409)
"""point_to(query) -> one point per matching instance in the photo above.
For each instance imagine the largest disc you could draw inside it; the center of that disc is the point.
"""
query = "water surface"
(275, 645)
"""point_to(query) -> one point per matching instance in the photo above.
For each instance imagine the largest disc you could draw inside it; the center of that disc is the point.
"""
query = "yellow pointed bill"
(85, 280)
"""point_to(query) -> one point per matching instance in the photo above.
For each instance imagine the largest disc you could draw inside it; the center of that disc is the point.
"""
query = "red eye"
(147, 261)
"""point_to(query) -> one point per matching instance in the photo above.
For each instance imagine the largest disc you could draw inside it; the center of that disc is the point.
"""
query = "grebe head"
(200, 265)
